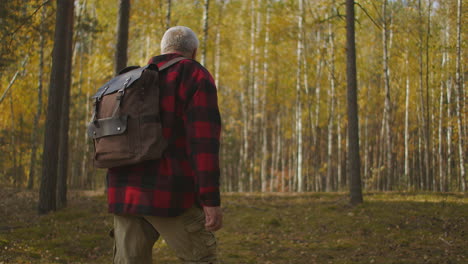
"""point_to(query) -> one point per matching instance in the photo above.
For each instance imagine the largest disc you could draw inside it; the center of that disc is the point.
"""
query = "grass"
(259, 228)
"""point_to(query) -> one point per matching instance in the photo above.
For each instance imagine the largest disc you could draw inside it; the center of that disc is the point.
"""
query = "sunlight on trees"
(280, 67)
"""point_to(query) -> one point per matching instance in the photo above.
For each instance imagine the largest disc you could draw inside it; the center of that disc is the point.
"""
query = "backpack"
(126, 125)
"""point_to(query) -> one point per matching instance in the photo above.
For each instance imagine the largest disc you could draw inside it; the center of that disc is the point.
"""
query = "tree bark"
(65, 119)
(263, 171)
(331, 114)
(168, 14)
(218, 44)
(122, 36)
(387, 103)
(459, 99)
(353, 132)
(206, 7)
(407, 96)
(47, 192)
(300, 44)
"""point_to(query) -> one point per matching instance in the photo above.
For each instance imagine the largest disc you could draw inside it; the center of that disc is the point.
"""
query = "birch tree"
(206, 8)
(460, 98)
(387, 103)
(300, 45)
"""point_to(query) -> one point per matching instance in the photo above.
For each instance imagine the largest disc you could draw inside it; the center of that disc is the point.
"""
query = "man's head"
(180, 39)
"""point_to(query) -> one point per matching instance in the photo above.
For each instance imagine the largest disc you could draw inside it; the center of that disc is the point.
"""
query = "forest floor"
(259, 228)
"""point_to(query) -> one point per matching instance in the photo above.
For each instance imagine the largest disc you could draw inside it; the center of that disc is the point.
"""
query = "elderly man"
(176, 197)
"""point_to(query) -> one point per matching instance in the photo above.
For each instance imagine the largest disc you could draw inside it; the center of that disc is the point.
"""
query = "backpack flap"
(121, 81)
(107, 126)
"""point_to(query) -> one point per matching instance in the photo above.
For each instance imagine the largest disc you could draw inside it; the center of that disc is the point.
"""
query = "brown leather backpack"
(126, 125)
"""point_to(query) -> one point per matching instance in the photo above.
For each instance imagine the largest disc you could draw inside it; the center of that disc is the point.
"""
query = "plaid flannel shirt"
(188, 172)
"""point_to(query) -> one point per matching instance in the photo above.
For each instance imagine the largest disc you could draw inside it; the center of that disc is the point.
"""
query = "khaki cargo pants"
(185, 234)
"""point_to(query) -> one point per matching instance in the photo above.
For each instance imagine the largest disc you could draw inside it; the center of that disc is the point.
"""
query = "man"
(176, 197)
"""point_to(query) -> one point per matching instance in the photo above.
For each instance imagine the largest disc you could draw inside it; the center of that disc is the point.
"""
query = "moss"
(270, 228)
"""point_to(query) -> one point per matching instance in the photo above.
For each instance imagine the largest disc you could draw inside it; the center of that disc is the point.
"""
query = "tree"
(64, 118)
(206, 8)
(47, 192)
(168, 14)
(386, 126)
(122, 36)
(353, 122)
(298, 120)
(459, 99)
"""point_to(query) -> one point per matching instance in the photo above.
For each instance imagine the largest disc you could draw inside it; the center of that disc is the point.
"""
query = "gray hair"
(179, 38)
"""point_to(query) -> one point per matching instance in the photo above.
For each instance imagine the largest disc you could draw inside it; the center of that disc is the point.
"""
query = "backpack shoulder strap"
(171, 62)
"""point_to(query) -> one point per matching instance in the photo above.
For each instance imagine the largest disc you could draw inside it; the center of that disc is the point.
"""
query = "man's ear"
(194, 54)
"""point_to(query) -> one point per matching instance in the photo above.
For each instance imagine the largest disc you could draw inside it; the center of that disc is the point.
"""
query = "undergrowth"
(258, 228)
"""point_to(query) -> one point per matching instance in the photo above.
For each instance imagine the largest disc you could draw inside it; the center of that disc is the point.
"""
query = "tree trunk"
(300, 44)
(263, 171)
(353, 132)
(429, 152)
(37, 116)
(459, 99)
(441, 115)
(122, 36)
(65, 119)
(168, 14)
(425, 168)
(206, 7)
(14, 143)
(218, 44)
(47, 192)
(316, 141)
(331, 113)
(407, 96)
(387, 103)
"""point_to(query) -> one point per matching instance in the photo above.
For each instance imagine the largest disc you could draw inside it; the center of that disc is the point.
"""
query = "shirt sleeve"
(203, 129)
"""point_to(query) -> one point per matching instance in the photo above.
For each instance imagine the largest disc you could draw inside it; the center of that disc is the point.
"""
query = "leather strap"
(171, 62)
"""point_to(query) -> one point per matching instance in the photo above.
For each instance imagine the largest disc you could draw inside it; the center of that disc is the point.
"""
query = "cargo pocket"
(204, 242)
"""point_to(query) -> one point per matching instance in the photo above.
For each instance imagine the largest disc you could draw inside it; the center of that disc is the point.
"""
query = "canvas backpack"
(126, 125)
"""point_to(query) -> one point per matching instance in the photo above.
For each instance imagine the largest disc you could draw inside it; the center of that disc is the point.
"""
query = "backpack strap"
(170, 63)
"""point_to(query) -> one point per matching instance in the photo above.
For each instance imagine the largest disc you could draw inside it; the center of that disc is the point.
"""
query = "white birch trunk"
(441, 117)
(407, 96)
(331, 120)
(264, 100)
(318, 74)
(339, 149)
(218, 44)
(387, 102)
(206, 8)
(459, 99)
(300, 40)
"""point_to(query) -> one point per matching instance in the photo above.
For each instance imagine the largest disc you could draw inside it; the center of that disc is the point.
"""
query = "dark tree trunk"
(47, 192)
(122, 36)
(353, 128)
(64, 122)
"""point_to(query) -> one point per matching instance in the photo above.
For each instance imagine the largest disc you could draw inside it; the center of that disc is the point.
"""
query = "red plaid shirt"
(188, 172)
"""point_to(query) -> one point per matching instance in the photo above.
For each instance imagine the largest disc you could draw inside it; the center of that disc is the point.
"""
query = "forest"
(280, 70)
(320, 100)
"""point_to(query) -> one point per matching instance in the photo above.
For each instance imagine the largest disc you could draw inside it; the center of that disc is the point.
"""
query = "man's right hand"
(213, 218)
